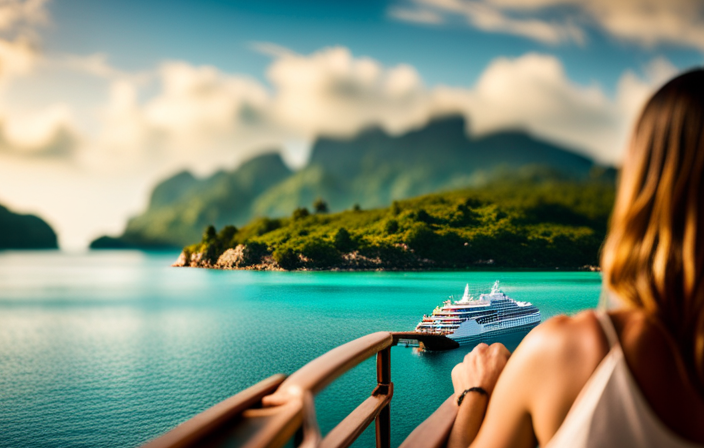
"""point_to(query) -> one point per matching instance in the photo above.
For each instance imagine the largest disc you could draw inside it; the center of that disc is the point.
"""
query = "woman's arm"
(535, 390)
(508, 422)
(481, 368)
(469, 419)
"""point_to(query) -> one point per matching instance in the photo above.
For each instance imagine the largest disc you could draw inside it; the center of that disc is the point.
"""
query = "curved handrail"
(319, 373)
(435, 430)
(193, 431)
(270, 413)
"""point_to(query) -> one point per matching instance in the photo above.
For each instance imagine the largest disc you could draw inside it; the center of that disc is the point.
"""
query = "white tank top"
(611, 411)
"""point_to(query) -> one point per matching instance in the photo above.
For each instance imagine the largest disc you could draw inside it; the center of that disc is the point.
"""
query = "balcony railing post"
(383, 378)
(383, 366)
(383, 428)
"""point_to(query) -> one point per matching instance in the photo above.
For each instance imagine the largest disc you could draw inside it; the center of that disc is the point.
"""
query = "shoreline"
(226, 262)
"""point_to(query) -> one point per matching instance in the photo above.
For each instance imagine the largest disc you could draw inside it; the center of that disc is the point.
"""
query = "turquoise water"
(111, 349)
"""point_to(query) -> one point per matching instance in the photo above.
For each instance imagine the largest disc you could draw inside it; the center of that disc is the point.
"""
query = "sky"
(99, 101)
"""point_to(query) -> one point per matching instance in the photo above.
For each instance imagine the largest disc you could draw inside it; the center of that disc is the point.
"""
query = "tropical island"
(531, 219)
(372, 169)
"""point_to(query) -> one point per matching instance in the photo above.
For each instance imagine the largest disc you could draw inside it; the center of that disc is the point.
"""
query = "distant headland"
(25, 232)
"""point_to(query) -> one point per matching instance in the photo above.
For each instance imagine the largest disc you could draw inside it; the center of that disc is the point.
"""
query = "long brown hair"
(653, 258)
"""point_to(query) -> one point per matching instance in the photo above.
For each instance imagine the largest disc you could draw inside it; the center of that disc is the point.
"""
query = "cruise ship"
(472, 320)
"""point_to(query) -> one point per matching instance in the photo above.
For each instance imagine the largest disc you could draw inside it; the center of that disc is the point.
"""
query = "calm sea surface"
(111, 349)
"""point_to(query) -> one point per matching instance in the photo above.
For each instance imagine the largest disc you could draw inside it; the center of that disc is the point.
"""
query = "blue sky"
(138, 34)
(99, 100)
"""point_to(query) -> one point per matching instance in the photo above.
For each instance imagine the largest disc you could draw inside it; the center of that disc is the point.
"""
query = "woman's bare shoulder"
(565, 339)
(553, 363)
(542, 379)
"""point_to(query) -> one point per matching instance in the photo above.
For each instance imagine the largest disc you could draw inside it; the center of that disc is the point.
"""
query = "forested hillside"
(527, 221)
(371, 169)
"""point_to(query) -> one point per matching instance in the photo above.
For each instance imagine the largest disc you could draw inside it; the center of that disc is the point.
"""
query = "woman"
(633, 376)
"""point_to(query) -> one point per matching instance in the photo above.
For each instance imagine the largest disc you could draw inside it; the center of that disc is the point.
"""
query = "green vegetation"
(25, 232)
(362, 172)
(537, 223)
(181, 206)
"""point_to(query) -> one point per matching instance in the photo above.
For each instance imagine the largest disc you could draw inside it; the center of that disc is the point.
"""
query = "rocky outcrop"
(232, 258)
(192, 260)
(246, 257)
(590, 268)
(242, 257)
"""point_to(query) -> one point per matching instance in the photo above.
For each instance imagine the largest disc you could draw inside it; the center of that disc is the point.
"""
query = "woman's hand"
(480, 368)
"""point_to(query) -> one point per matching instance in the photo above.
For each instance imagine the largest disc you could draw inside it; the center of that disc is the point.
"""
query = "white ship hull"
(473, 334)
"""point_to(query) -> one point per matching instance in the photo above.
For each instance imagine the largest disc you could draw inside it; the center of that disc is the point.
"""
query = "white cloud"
(533, 93)
(270, 49)
(148, 124)
(488, 17)
(331, 92)
(203, 118)
(645, 22)
(96, 65)
(651, 22)
(14, 13)
(632, 90)
(199, 117)
(48, 132)
(203, 99)
(17, 58)
(415, 15)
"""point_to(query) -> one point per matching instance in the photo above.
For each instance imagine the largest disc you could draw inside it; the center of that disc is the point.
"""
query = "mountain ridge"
(370, 169)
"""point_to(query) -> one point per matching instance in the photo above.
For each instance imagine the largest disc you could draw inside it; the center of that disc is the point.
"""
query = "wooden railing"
(279, 409)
